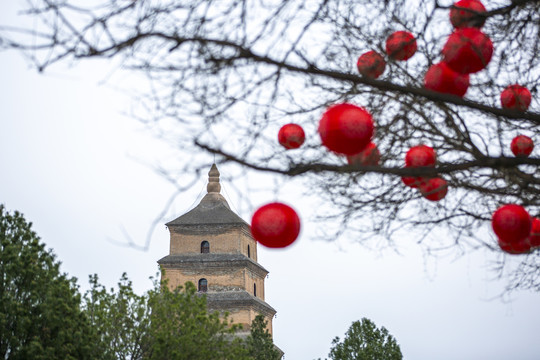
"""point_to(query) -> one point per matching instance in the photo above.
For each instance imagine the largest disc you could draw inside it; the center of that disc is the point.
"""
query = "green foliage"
(160, 324)
(40, 314)
(120, 319)
(364, 341)
(259, 343)
(181, 328)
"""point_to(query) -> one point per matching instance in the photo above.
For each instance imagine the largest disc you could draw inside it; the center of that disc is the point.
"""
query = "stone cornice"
(212, 261)
(228, 300)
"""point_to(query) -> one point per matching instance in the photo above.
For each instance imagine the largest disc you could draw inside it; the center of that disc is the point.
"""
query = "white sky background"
(70, 162)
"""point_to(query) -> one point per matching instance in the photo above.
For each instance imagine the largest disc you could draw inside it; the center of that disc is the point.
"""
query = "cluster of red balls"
(431, 188)
(347, 129)
(517, 231)
(467, 50)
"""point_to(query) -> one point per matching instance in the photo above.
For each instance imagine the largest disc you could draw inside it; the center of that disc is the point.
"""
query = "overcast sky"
(73, 164)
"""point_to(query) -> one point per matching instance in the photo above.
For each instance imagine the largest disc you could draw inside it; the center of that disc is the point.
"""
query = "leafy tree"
(40, 313)
(160, 324)
(230, 73)
(182, 328)
(119, 318)
(259, 343)
(168, 324)
(364, 341)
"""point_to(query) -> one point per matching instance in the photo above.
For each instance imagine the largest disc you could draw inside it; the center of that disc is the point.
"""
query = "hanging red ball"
(275, 225)
(522, 146)
(434, 189)
(370, 156)
(467, 50)
(511, 223)
(420, 156)
(516, 97)
(441, 78)
(519, 247)
(467, 13)
(401, 45)
(534, 236)
(412, 182)
(346, 128)
(371, 64)
(291, 136)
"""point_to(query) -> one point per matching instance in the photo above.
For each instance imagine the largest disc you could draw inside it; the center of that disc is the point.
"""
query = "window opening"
(205, 247)
(254, 289)
(249, 253)
(203, 285)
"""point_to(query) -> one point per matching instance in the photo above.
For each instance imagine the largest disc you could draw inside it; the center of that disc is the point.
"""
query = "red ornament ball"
(519, 247)
(516, 97)
(467, 13)
(467, 50)
(420, 156)
(534, 236)
(371, 64)
(522, 146)
(511, 223)
(412, 182)
(441, 78)
(291, 136)
(275, 225)
(370, 156)
(434, 189)
(401, 45)
(346, 128)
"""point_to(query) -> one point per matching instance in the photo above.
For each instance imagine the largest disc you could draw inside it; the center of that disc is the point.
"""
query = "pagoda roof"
(213, 208)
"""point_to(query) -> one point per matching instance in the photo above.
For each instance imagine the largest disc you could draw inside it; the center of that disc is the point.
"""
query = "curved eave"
(211, 261)
(227, 300)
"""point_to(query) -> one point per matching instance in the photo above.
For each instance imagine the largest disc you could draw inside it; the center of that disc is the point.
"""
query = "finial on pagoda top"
(213, 180)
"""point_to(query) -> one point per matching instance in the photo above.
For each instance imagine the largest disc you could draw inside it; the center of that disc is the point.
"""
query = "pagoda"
(212, 247)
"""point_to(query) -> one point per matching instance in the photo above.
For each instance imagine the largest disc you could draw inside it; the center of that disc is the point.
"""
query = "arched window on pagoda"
(205, 247)
(203, 285)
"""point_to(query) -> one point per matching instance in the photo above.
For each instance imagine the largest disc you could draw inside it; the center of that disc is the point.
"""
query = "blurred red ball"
(291, 136)
(522, 146)
(434, 189)
(420, 155)
(516, 97)
(275, 225)
(371, 64)
(401, 45)
(412, 182)
(346, 128)
(370, 156)
(519, 247)
(461, 17)
(467, 50)
(534, 235)
(511, 223)
(441, 78)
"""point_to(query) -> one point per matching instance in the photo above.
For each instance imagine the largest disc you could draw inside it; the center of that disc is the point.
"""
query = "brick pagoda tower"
(213, 248)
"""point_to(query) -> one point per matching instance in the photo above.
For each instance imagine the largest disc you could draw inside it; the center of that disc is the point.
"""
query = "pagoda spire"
(213, 180)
